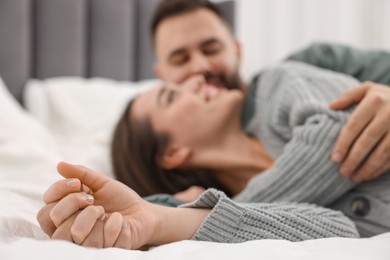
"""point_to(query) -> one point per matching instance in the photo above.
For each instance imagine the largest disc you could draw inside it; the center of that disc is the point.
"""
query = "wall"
(271, 29)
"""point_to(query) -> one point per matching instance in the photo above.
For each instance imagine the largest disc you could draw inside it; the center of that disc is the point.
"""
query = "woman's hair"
(135, 150)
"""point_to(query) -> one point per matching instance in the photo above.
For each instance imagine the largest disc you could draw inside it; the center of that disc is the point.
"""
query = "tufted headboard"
(87, 38)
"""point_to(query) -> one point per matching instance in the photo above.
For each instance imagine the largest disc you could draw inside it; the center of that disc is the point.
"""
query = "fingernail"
(336, 157)
(89, 198)
(345, 171)
(72, 183)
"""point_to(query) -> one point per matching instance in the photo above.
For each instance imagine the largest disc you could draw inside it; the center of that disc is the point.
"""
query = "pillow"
(28, 158)
(81, 114)
(15, 121)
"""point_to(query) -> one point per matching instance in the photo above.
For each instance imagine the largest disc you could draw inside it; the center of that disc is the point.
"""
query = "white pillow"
(81, 114)
(16, 124)
(28, 158)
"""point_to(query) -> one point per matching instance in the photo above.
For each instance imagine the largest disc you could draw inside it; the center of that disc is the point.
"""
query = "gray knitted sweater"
(294, 124)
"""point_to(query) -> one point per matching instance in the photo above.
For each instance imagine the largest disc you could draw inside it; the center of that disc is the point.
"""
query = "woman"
(281, 156)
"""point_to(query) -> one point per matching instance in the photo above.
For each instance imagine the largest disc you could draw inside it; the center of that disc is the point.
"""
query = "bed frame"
(86, 38)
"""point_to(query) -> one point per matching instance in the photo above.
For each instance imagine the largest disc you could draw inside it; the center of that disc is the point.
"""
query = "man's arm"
(365, 65)
(294, 120)
(368, 130)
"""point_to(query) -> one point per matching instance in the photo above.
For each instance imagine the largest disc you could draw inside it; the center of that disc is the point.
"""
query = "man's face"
(197, 43)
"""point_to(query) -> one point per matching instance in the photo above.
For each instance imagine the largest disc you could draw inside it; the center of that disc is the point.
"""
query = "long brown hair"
(135, 149)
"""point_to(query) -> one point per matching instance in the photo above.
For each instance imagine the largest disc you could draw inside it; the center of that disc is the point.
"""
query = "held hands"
(367, 132)
(93, 210)
(101, 213)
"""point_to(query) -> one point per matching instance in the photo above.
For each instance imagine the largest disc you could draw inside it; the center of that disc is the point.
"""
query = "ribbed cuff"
(221, 224)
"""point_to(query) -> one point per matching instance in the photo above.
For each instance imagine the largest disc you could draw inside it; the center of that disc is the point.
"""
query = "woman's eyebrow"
(159, 95)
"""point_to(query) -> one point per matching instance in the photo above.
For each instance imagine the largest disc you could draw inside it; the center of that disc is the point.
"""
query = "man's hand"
(367, 132)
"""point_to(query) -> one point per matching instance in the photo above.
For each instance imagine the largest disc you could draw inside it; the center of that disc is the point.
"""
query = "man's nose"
(199, 64)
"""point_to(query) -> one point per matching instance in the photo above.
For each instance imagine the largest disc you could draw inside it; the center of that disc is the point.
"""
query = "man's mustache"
(233, 83)
(214, 76)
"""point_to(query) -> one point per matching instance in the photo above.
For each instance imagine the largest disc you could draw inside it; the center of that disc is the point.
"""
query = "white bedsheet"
(32, 143)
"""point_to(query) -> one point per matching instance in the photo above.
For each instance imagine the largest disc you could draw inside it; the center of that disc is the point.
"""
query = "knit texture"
(293, 122)
(231, 222)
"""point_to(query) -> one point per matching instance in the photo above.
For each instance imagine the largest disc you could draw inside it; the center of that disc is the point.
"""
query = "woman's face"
(193, 114)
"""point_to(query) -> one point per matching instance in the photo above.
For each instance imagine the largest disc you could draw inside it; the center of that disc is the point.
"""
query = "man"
(194, 39)
(195, 43)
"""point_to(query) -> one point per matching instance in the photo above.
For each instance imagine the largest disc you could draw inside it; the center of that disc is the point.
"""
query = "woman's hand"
(367, 132)
(91, 209)
(104, 203)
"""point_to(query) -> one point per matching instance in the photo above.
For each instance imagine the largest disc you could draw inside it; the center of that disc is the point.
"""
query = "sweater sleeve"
(373, 65)
(292, 115)
(231, 222)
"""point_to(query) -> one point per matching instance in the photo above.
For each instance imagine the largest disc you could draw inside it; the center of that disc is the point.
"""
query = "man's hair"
(169, 8)
(135, 149)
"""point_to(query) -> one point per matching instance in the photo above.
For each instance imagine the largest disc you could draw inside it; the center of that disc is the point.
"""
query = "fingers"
(63, 231)
(366, 142)
(350, 96)
(69, 205)
(90, 227)
(112, 228)
(351, 130)
(90, 178)
(61, 188)
(378, 172)
(44, 219)
(84, 223)
(95, 238)
(124, 238)
(377, 163)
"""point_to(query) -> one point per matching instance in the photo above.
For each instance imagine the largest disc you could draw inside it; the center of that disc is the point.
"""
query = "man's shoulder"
(289, 73)
(294, 69)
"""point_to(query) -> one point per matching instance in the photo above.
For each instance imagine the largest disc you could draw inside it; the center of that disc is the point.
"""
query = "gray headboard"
(87, 38)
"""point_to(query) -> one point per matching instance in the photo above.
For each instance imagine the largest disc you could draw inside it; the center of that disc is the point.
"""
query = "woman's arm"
(117, 216)
(232, 222)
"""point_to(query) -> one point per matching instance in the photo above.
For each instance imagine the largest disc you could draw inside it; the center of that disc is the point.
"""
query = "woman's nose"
(194, 84)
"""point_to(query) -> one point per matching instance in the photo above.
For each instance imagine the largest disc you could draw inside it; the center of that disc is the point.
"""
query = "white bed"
(71, 119)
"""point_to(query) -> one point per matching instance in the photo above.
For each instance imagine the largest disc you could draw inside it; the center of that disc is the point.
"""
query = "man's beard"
(221, 80)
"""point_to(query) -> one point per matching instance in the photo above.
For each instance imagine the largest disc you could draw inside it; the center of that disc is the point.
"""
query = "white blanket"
(72, 119)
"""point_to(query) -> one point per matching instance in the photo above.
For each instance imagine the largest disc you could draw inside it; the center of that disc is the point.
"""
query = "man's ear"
(174, 156)
(238, 50)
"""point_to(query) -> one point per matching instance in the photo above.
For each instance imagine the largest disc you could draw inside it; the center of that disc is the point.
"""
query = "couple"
(267, 146)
